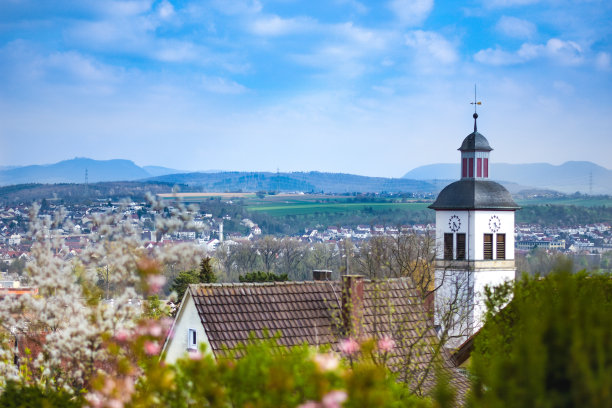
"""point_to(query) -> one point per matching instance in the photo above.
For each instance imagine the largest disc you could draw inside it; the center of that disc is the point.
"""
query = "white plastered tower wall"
(468, 212)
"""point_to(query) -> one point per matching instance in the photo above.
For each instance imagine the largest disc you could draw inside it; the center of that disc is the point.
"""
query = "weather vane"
(475, 103)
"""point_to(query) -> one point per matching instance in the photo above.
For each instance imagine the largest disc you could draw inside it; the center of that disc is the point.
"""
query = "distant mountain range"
(73, 171)
(569, 177)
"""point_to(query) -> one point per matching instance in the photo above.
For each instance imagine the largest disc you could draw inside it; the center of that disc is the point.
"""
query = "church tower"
(474, 241)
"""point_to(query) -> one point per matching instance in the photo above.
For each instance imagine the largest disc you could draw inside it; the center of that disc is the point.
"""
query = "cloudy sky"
(367, 87)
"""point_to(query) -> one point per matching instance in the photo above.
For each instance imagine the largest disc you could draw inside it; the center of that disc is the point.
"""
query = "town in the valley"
(588, 244)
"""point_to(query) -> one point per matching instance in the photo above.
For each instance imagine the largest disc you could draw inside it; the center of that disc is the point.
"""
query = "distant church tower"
(474, 241)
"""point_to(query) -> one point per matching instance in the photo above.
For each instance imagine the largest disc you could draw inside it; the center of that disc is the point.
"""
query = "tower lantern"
(475, 155)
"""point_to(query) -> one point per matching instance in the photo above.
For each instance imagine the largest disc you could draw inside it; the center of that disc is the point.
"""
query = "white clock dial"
(494, 223)
(454, 223)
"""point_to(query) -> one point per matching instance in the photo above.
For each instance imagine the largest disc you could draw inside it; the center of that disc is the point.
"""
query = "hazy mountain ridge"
(568, 177)
(73, 171)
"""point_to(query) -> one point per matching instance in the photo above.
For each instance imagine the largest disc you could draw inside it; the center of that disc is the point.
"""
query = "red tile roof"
(309, 312)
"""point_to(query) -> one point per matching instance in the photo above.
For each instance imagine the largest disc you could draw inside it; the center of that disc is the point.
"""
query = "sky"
(374, 88)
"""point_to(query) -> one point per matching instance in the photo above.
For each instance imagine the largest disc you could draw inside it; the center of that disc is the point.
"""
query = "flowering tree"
(62, 329)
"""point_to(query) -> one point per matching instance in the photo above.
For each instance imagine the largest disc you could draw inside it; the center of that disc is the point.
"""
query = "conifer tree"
(207, 275)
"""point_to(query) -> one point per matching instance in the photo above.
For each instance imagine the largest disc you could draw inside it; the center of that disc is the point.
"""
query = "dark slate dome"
(475, 141)
(471, 194)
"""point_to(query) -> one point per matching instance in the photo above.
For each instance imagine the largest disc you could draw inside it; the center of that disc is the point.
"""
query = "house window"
(501, 246)
(448, 246)
(486, 168)
(464, 167)
(471, 166)
(192, 339)
(488, 246)
(460, 246)
(479, 167)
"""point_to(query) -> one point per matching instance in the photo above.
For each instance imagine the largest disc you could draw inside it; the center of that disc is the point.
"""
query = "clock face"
(494, 223)
(454, 223)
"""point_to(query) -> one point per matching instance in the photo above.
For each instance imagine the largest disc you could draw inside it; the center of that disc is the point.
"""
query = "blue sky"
(366, 87)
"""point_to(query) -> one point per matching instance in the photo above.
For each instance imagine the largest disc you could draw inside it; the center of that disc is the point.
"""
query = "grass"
(297, 208)
(577, 201)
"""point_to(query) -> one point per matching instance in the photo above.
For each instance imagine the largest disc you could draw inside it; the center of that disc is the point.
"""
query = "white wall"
(475, 224)
(467, 227)
(481, 227)
(186, 319)
(482, 279)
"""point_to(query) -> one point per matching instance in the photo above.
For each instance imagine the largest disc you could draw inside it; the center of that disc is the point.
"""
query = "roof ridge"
(288, 283)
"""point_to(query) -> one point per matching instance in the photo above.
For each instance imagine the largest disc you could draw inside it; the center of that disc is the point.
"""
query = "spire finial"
(475, 103)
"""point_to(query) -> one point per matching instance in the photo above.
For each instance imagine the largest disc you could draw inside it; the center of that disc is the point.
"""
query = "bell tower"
(474, 241)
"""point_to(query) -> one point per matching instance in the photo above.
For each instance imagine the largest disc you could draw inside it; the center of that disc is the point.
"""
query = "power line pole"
(86, 183)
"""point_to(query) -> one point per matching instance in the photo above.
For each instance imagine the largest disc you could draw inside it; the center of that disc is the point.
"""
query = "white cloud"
(233, 7)
(565, 52)
(75, 66)
(274, 25)
(222, 86)
(496, 56)
(350, 54)
(515, 27)
(602, 61)
(431, 45)
(342, 60)
(165, 10)
(562, 52)
(176, 51)
(411, 12)
(121, 8)
(366, 39)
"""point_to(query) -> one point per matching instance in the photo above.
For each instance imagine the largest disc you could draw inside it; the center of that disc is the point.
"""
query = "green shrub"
(16, 395)
(550, 347)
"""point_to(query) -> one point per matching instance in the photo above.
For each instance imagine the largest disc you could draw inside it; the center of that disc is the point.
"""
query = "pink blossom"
(114, 403)
(155, 330)
(166, 323)
(128, 385)
(334, 399)
(349, 346)
(195, 355)
(94, 400)
(156, 282)
(309, 404)
(151, 347)
(326, 362)
(122, 335)
(386, 344)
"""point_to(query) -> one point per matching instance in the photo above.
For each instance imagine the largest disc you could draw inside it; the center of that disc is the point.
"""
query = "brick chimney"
(352, 305)
(321, 275)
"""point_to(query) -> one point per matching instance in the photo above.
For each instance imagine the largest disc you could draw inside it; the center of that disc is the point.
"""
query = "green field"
(301, 208)
(577, 201)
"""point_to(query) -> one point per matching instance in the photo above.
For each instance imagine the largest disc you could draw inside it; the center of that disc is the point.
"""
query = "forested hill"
(335, 183)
